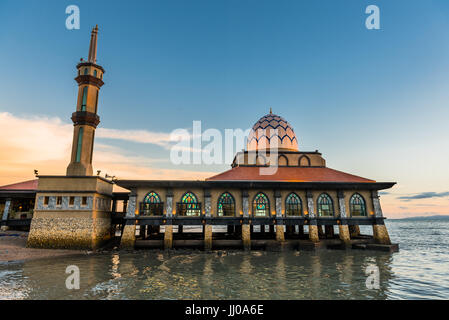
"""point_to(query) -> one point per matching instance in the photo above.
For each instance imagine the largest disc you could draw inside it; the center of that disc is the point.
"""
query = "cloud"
(138, 136)
(424, 195)
(44, 143)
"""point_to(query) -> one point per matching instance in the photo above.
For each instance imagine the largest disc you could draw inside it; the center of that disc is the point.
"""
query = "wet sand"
(13, 248)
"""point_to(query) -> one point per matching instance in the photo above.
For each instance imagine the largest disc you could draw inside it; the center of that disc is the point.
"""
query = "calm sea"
(419, 271)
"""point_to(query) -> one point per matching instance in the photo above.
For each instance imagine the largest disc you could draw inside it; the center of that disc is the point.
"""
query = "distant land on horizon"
(435, 217)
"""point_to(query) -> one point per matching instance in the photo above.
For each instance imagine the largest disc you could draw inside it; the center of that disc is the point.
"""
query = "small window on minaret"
(95, 73)
(84, 102)
(96, 102)
(86, 71)
(80, 144)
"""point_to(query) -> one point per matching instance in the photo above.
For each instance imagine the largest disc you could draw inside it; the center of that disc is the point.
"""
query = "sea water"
(420, 270)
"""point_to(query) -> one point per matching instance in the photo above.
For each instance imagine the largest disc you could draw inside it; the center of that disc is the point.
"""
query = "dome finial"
(271, 111)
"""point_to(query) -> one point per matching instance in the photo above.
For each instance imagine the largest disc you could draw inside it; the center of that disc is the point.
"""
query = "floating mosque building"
(273, 196)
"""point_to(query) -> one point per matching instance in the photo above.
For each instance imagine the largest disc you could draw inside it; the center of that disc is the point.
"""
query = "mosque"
(300, 203)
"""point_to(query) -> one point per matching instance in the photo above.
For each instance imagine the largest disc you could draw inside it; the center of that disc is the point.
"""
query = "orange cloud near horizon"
(44, 144)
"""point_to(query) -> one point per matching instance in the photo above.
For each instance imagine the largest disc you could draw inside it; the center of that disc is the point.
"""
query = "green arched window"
(152, 205)
(261, 205)
(152, 197)
(84, 100)
(226, 205)
(357, 206)
(293, 205)
(325, 206)
(189, 205)
(86, 71)
(95, 73)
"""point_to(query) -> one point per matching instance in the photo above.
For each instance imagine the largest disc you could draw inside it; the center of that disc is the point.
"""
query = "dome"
(272, 131)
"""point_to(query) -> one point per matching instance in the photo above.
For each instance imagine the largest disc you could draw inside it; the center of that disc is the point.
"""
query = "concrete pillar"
(207, 237)
(168, 237)
(343, 230)
(343, 233)
(246, 237)
(380, 232)
(129, 231)
(128, 236)
(246, 230)
(280, 236)
(313, 228)
(207, 228)
(5, 214)
(168, 234)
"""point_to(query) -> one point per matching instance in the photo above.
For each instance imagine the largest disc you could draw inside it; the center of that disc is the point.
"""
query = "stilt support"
(128, 237)
(343, 232)
(280, 236)
(380, 234)
(168, 237)
(246, 236)
(313, 233)
(207, 237)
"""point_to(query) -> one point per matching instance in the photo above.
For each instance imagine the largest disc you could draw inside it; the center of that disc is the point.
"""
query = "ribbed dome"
(272, 131)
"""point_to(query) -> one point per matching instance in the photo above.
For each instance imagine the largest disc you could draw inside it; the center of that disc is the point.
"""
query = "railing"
(273, 220)
(15, 222)
(188, 209)
(151, 209)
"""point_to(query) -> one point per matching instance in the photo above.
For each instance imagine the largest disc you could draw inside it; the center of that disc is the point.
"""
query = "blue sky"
(374, 102)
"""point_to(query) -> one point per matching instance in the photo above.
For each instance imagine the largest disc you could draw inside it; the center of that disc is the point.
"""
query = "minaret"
(85, 119)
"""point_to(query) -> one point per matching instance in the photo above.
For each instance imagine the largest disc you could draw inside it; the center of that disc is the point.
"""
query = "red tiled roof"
(25, 185)
(288, 174)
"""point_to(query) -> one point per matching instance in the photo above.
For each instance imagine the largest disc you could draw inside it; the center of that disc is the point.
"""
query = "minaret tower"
(86, 119)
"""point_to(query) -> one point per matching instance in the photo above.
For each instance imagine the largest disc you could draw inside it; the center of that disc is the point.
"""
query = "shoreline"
(13, 248)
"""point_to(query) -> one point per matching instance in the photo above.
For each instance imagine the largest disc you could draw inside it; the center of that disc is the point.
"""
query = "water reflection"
(418, 271)
(155, 275)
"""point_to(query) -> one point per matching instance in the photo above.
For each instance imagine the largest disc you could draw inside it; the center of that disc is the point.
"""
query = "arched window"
(86, 71)
(325, 206)
(95, 73)
(261, 160)
(152, 205)
(357, 205)
(282, 160)
(293, 205)
(84, 100)
(261, 205)
(226, 205)
(189, 205)
(304, 161)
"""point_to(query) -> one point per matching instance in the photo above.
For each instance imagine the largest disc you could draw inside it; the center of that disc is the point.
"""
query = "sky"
(373, 102)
